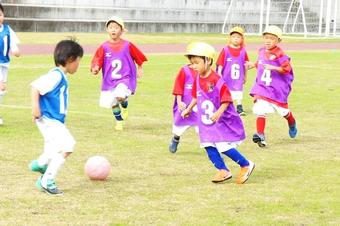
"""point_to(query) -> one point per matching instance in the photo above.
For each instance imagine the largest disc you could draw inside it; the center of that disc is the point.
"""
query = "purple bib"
(186, 98)
(234, 70)
(270, 83)
(118, 67)
(229, 127)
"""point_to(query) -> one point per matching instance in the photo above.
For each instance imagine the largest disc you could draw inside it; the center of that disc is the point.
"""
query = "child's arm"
(97, 61)
(275, 68)
(95, 70)
(35, 104)
(219, 70)
(138, 57)
(15, 51)
(180, 103)
(250, 65)
(139, 71)
(14, 43)
(219, 112)
(186, 112)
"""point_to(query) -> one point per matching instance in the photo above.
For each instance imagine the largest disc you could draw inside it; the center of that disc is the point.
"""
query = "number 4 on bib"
(265, 77)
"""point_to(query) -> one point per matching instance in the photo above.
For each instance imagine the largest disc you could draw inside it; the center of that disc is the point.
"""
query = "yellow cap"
(237, 29)
(274, 30)
(200, 49)
(118, 20)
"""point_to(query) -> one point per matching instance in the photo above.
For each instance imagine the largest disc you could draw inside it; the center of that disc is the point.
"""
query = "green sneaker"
(34, 166)
(51, 188)
(38, 183)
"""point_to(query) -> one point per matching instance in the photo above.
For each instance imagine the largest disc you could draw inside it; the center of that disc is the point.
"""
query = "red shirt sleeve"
(246, 58)
(179, 83)
(98, 58)
(221, 58)
(278, 52)
(225, 95)
(137, 55)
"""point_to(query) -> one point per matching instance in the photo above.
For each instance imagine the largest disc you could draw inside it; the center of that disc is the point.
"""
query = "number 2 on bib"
(116, 65)
(265, 77)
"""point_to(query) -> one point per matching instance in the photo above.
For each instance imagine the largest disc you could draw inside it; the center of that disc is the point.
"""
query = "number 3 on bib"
(116, 65)
(265, 77)
(208, 107)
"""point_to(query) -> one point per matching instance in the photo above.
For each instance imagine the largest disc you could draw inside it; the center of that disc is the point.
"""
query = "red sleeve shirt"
(235, 52)
(208, 83)
(135, 53)
(276, 53)
(180, 82)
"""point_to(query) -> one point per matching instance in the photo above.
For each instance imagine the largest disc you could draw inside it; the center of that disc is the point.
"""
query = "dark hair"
(202, 57)
(1, 8)
(67, 50)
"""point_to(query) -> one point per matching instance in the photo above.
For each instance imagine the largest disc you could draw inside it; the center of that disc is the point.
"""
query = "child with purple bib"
(231, 66)
(220, 126)
(117, 58)
(272, 85)
(182, 92)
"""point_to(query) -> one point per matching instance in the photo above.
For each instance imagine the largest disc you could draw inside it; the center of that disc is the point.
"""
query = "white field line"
(70, 111)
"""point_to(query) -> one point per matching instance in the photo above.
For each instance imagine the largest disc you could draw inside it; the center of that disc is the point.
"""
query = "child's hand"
(36, 113)
(139, 72)
(2, 86)
(216, 116)
(185, 113)
(249, 65)
(181, 105)
(95, 70)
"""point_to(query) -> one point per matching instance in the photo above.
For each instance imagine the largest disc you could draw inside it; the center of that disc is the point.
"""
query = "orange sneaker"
(222, 175)
(245, 172)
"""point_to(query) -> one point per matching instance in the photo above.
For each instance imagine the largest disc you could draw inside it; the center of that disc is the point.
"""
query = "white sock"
(51, 172)
(239, 102)
(43, 159)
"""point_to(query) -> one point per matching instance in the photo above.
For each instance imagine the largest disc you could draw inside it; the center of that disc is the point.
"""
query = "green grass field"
(296, 182)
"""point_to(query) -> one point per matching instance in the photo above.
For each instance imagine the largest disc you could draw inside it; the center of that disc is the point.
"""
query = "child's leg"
(247, 166)
(260, 123)
(3, 80)
(216, 158)
(47, 181)
(122, 92)
(223, 173)
(174, 143)
(2, 94)
(177, 132)
(237, 157)
(292, 124)
(124, 104)
(117, 113)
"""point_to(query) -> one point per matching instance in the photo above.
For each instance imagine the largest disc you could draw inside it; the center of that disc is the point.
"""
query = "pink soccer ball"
(97, 168)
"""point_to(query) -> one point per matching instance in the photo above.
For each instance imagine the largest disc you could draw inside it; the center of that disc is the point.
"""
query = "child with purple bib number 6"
(231, 66)
(220, 126)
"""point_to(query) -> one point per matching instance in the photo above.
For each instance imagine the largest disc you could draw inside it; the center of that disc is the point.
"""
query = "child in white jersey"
(49, 108)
